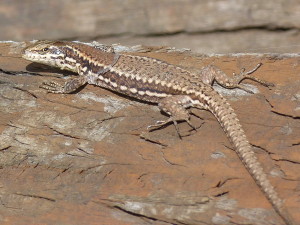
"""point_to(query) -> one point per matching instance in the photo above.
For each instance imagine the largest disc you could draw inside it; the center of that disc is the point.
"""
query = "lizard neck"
(82, 58)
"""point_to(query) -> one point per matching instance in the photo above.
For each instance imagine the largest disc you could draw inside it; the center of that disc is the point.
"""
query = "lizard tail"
(232, 127)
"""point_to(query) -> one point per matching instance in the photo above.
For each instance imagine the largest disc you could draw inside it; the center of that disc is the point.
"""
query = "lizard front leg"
(73, 84)
(69, 86)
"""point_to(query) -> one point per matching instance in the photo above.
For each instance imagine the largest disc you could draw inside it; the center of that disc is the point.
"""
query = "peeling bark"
(87, 157)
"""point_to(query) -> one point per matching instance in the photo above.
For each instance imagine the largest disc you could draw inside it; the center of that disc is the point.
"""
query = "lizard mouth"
(35, 57)
(31, 56)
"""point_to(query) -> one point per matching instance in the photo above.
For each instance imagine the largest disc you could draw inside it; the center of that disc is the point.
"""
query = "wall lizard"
(173, 88)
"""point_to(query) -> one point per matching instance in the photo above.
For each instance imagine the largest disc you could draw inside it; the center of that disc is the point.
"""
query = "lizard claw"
(157, 124)
(247, 75)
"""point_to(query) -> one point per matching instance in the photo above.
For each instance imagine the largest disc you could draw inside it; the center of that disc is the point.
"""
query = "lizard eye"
(45, 49)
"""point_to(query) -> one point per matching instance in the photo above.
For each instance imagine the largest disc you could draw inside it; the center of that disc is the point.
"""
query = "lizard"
(174, 89)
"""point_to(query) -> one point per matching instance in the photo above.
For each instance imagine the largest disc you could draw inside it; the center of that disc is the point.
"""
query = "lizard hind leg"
(175, 106)
(210, 74)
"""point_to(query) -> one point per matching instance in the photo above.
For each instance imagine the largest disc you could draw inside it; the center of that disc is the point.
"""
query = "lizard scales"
(173, 88)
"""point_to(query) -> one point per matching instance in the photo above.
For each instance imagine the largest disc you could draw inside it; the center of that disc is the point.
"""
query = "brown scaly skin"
(171, 87)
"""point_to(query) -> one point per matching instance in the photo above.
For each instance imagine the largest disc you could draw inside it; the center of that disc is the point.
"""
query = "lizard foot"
(162, 123)
(52, 87)
(237, 78)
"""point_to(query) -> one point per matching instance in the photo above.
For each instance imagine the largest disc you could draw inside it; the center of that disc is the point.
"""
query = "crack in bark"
(63, 171)
(151, 217)
(36, 196)
(142, 157)
(287, 160)
(221, 194)
(26, 91)
(169, 162)
(136, 214)
(296, 144)
(63, 134)
(271, 153)
(215, 31)
(221, 183)
(261, 148)
(107, 174)
(74, 155)
(20, 142)
(82, 150)
(104, 164)
(5, 148)
(148, 139)
(286, 115)
(279, 113)
(112, 204)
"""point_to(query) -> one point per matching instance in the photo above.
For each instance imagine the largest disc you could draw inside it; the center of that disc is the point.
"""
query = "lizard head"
(52, 53)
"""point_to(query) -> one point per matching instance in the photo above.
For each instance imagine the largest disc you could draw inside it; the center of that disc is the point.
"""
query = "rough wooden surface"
(205, 26)
(86, 158)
